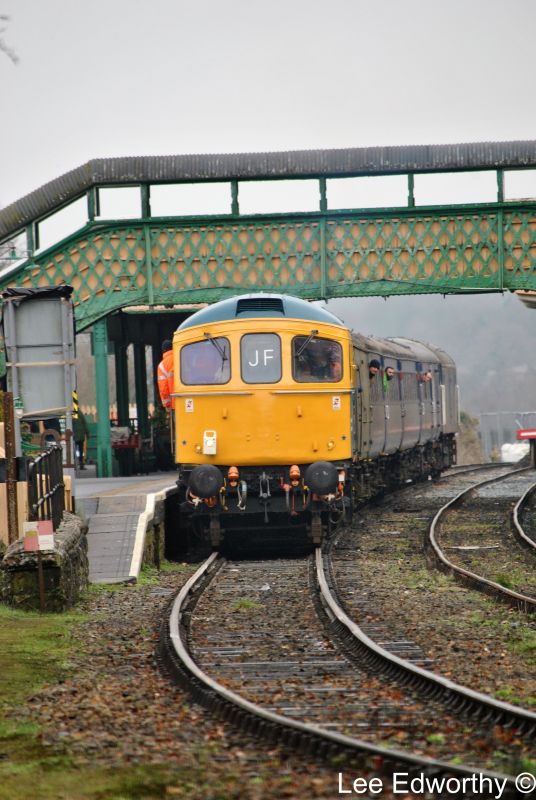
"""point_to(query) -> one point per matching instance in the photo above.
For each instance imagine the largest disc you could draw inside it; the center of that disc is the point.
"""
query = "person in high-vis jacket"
(165, 375)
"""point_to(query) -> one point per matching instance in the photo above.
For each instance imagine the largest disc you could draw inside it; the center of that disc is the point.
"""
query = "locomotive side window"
(206, 362)
(260, 358)
(316, 360)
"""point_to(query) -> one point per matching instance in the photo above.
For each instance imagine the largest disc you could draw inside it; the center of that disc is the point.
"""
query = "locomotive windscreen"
(260, 358)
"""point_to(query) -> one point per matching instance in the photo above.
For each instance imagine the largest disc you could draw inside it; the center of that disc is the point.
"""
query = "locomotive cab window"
(206, 362)
(316, 360)
(260, 358)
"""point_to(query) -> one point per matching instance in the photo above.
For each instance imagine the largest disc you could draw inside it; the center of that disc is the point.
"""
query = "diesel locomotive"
(285, 419)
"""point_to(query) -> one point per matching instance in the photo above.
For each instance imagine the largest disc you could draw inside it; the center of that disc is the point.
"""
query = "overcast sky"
(133, 77)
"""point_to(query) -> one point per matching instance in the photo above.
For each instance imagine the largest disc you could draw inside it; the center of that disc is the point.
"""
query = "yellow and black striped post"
(75, 405)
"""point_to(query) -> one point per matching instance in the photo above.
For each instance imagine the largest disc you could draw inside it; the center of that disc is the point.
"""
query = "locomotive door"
(360, 402)
(377, 411)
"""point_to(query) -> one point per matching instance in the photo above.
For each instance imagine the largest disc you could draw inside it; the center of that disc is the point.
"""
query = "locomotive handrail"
(209, 394)
(312, 391)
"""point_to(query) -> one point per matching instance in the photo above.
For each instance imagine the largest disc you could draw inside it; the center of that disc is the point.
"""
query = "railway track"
(281, 679)
(470, 538)
(289, 684)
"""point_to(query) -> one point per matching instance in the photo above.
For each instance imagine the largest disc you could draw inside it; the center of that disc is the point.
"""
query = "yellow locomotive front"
(263, 394)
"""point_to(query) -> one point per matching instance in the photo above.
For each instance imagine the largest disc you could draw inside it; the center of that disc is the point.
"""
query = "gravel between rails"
(114, 709)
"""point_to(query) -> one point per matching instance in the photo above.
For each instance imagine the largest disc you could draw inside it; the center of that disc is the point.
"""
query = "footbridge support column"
(104, 442)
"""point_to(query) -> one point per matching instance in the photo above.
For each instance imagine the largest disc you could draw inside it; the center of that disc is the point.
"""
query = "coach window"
(260, 358)
(316, 360)
(206, 362)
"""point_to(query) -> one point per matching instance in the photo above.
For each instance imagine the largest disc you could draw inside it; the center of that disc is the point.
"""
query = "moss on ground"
(61, 779)
(34, 649)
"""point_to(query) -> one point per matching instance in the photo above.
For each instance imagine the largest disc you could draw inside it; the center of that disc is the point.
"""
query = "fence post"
(11, 468)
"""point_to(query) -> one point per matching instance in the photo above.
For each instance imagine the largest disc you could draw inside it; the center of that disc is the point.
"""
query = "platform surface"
(112, 507)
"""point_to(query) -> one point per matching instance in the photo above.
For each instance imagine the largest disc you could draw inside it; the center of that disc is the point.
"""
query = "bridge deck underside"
(116, 264)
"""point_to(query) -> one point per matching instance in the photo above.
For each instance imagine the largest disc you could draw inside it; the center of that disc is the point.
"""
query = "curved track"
(523, 601)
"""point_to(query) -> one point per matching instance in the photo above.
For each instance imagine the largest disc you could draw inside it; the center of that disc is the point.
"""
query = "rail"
(46, 496)
(519, 531)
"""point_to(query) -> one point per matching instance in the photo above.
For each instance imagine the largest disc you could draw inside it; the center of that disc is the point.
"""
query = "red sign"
(527, 433)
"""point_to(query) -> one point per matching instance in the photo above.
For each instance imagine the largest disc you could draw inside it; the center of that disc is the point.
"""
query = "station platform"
(118, 512)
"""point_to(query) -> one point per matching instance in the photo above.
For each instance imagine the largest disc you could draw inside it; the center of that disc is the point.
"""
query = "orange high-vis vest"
(165, 379)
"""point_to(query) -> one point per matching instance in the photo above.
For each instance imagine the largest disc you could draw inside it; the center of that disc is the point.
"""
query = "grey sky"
(126, 77)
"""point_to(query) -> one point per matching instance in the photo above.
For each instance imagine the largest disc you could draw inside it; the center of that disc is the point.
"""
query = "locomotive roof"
(260, 304)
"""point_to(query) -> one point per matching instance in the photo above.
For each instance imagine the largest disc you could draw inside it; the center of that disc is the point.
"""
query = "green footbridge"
(161, 265)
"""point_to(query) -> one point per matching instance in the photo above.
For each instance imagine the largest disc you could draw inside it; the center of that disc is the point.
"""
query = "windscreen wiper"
(220, 348)
(306, 342)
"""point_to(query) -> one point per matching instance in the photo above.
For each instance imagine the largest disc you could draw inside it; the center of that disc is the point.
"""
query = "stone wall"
(65, 570)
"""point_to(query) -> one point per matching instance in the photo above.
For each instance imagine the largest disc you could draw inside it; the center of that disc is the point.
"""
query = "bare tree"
(4, 47)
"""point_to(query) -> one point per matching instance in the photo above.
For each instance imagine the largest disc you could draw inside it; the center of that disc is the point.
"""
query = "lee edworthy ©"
(403, 783)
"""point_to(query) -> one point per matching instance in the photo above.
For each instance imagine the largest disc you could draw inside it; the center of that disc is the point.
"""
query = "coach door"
(436, 401)
(393, 405)
(425, 381)
(410, 405)
(377, 411)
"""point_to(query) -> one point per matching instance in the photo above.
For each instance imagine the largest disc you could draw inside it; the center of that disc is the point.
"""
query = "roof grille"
(260, 304)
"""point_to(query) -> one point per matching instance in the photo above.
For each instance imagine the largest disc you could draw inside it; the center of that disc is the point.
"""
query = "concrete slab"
(106, 523)
(118, 511)
(122, 504)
